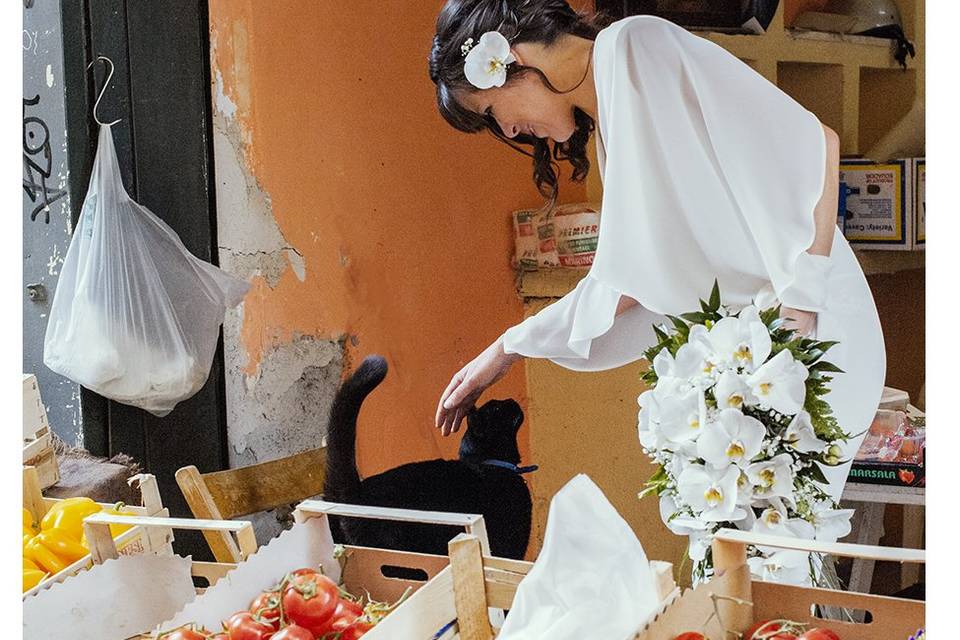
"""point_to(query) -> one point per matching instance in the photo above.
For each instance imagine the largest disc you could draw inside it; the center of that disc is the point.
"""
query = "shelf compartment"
(818, 87)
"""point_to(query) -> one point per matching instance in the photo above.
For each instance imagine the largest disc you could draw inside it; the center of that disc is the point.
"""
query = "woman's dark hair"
(539, 21)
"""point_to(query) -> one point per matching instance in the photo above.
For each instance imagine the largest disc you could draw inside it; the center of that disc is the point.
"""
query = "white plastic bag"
(591, 579)
(135, 316)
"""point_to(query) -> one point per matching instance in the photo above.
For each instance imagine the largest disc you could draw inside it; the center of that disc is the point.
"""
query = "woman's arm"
(825, 222)
(825, 213)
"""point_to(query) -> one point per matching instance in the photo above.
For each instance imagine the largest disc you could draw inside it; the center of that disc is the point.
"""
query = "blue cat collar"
(512, 467)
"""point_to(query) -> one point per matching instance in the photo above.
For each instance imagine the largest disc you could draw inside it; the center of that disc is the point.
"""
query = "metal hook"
(103, 90)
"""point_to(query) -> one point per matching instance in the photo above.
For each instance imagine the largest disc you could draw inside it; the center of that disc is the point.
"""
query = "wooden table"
(870, 501)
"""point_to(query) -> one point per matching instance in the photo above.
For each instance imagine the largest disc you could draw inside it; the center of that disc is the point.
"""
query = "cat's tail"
(342, 483)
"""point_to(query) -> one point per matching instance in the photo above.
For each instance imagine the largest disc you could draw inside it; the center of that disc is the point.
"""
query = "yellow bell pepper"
(28, 536)
(68, 514)
(29, 564)
(118, 510)
(54, 550)
(116, 530)
(43, 557)
(27, 519)
(32, 577)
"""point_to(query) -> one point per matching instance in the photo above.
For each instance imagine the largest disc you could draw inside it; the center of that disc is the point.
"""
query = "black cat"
(485, 480)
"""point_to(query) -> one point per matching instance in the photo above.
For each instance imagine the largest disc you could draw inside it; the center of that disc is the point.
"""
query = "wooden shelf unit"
(556, 282)
(852, 83)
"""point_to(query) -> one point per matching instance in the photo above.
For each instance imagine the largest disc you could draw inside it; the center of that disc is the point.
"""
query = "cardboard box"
(894, 450)
(879, 203)
(577, 229)
(525, 239)
(919, 203)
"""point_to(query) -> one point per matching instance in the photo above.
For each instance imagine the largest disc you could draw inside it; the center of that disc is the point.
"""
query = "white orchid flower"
(745, 491)
(787, 566)
(779, 384)
(711, 493)
(734, 342)
(648, 421)
(800, 435)
(732, 439)
(832, 524)
(772, 478)
(699, 543)
(732, 391)
(678, 524)
(774, 521)
(486, 63)
(687, 365)
(683, 416)
(709, 364)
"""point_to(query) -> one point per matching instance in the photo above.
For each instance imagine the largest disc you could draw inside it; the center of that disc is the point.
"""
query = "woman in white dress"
(709, 172)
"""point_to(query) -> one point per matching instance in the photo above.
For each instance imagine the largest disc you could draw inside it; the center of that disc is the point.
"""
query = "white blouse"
(709, 172)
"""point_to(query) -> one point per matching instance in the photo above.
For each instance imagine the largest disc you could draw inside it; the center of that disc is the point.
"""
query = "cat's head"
(492, 432)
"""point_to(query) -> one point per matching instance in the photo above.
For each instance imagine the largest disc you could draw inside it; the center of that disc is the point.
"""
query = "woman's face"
(525, 105)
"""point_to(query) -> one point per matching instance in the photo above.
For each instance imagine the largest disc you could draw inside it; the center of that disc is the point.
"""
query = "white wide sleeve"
(721, 151)
(582, 332)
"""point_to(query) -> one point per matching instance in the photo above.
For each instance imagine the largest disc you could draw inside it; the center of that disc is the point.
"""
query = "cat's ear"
(517, 415)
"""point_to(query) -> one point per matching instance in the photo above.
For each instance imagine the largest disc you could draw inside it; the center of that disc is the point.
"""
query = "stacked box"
(919, 203)
(894, 450)
(577, 229)
(878, 212)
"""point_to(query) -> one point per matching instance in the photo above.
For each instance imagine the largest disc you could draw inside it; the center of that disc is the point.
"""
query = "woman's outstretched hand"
(469, 383)
(804, 323)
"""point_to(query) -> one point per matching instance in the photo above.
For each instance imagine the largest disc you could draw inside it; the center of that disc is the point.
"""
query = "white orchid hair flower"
(485, 63)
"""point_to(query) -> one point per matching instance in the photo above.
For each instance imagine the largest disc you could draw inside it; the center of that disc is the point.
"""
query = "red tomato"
(764, 626)
(690, 635)
(348, 609)
(243, 626)
(819, 634)
(292, 632)
(266, 608)
(185, 634)
(310, 601)
(357, 629)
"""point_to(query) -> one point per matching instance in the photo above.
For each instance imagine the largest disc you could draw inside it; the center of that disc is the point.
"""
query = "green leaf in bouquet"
(660, 333)
(695, 317)
(681, 326)
(769, 316)
(815, 473)
(824, 366)
(826, 345)
(659, 475)
(715, 297)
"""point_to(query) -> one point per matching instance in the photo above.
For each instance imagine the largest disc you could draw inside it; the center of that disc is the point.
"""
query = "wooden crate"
(456, 603)
(104, 547)
(456, 600)
(364, 570)
(136, 540)
(37, 437)
(891, 617)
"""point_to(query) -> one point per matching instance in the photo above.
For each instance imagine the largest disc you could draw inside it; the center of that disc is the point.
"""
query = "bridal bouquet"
(736, 420)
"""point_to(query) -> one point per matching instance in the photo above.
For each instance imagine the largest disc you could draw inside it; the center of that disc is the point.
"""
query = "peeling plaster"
(251, 243)
(281, 409)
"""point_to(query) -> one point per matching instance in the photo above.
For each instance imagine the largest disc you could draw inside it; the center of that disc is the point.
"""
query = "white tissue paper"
(592, 578)
(116, 600)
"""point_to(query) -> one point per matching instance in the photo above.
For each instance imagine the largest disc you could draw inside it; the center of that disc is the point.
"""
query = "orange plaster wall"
(403, 223)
